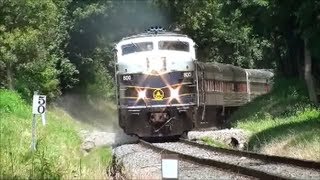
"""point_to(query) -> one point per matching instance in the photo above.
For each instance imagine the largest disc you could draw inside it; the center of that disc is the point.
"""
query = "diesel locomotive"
(163, 90)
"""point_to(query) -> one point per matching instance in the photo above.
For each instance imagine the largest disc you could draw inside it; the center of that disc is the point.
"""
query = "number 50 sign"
(38, 107)
(39, 104)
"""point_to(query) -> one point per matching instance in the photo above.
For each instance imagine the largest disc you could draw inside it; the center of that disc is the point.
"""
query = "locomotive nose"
(156, 65)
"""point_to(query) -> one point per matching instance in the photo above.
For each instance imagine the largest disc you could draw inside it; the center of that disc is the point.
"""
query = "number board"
(39, 104)
(126, 78)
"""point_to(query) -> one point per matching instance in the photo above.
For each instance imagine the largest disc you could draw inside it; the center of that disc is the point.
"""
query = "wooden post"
(34, 123)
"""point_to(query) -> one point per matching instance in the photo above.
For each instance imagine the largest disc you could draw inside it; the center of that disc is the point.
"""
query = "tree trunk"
(308, 73)
(9, 76)
(279, 61)
(299, 59)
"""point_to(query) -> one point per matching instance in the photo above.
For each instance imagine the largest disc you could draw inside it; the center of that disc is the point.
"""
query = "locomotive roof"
(220, 67)
(172, 34)
(229, 70)
(260, 73)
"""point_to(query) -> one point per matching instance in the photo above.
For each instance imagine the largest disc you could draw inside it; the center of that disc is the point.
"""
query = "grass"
(98, 160)
(212, 142)
(282, 122)
(58, 154)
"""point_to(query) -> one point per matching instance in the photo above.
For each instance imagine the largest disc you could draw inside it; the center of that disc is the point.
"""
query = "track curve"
(250, 164)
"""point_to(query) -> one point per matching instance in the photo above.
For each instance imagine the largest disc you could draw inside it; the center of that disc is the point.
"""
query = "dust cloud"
(97, 113)
(98, 118)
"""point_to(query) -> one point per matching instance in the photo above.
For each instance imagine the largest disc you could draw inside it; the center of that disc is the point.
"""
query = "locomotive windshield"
(136, 47)
(174, 45)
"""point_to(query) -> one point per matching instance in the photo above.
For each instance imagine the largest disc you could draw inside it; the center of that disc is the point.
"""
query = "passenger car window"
(136, 47)
(174, 45)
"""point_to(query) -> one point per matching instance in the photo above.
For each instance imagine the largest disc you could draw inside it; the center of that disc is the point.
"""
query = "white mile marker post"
(169, 166)
(38, 107)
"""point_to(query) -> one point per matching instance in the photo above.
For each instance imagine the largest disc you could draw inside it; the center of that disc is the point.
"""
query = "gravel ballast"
(95, 138)
(281, 169)
(138, 162)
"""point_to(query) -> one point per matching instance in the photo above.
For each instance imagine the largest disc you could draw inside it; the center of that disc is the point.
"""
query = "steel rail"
(214, 163)
(263, 157)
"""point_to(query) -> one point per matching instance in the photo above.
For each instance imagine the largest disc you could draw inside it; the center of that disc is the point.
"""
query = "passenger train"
(163, 90)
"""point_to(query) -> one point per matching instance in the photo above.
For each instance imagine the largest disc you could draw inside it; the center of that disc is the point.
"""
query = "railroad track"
(242, 162)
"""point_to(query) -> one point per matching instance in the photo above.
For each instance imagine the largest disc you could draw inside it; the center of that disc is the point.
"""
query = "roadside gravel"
(95, 138)
(138, 162)
(284, 170)
(225, 136)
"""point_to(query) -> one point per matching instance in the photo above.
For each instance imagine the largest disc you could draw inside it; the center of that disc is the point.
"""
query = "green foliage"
(286, 97)
(11, 103)
(58, 46)
(286, 24)
(254, 34)
(94, 78)
(213, 142)
(99, 159)
(58, 152)
(31, 38)
(221, 36)
(281, 120)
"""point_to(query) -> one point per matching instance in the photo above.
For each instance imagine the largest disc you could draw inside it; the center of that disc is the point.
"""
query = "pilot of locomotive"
(156, 84)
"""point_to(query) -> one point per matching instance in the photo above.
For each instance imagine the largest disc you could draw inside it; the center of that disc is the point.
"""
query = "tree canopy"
(32, 37)
(67, 45)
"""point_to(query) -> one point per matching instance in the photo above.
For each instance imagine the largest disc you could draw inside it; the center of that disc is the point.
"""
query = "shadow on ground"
(298, 129)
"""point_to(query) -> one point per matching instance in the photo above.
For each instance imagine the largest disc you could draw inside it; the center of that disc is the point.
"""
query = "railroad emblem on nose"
(158, 94)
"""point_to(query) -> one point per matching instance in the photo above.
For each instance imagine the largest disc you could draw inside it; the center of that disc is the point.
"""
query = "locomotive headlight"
(141, 94)
(174, 93)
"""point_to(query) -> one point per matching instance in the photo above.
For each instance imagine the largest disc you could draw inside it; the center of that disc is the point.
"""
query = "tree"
(32, 35)
(221, 36)
(293, 29)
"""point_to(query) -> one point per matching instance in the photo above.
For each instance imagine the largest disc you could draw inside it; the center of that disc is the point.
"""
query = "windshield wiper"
(187, 44)
(136, 46)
